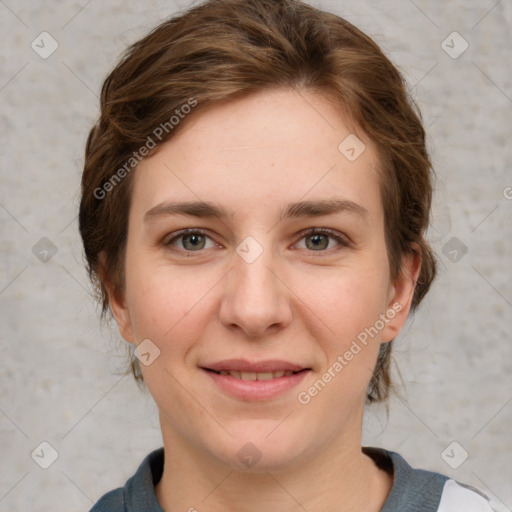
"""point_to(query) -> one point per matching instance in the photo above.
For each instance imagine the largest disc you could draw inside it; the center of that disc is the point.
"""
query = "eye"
(190, 240)
(195, 240)
(319, 240)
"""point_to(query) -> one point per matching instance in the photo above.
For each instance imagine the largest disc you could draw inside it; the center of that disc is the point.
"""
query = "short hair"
(226, 49)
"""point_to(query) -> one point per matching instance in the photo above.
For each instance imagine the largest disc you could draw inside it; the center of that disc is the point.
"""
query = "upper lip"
(242, 365)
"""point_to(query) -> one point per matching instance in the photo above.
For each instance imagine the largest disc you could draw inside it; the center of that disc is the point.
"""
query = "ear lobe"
(401, 294)
(116, 302)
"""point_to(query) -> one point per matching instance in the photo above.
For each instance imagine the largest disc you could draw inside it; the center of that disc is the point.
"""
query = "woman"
(254, 202)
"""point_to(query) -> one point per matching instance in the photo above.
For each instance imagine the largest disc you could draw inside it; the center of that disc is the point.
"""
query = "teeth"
(266, 376)
(256, 376)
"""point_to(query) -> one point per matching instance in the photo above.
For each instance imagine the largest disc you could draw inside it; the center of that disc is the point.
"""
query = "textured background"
(60, 372)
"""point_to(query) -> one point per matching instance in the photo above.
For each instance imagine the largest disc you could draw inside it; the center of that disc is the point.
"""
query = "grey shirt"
(413, 490)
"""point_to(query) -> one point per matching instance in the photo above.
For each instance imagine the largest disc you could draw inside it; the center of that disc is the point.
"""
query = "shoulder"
(113, 501)
(139, 491)
(457, 496)
(419, 490)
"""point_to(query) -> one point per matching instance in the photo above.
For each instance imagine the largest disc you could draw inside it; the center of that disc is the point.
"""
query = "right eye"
(189, 240)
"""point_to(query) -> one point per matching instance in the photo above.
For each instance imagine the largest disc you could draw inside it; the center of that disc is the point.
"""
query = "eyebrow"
(293, 210)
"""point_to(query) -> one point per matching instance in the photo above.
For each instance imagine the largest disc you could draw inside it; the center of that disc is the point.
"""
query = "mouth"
(262, 380)
(248, 376)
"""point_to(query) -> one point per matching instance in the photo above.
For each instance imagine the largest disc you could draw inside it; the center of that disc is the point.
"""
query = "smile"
(255, 381)
(256, 376)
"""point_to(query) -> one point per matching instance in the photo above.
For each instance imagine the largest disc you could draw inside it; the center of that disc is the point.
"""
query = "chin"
(254, 450)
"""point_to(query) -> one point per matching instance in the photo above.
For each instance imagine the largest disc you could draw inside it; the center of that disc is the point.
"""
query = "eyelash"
(343, 241)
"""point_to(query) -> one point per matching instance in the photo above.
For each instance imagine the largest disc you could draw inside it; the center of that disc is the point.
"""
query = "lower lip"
(256, 389)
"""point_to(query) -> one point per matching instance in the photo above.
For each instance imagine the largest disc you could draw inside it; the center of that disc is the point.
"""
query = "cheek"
(166, 304)
(346, 301)
(349, 310)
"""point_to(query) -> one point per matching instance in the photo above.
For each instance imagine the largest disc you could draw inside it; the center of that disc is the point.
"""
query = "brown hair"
(223, 49)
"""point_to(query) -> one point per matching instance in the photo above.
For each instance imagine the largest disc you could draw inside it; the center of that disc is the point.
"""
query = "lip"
(242, 365)
(255, 390)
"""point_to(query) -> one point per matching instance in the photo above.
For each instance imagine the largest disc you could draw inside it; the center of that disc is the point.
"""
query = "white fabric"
(457, 498)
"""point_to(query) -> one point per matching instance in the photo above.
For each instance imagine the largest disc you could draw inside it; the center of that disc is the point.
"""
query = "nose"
(255, 298)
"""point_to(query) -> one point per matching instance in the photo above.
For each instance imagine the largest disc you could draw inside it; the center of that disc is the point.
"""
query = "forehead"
(262, 151)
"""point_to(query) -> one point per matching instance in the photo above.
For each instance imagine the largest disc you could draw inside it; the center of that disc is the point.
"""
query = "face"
(267, 301)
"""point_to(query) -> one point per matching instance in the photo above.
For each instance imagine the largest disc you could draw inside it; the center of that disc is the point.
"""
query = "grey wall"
(60, 373)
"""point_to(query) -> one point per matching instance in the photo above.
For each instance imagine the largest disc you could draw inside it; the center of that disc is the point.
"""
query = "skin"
(295, 302)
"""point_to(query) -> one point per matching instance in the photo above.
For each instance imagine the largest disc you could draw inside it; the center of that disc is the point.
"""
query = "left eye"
(319, 240)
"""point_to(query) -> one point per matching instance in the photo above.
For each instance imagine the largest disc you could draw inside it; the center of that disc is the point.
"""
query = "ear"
(401, 293)
(117, 303)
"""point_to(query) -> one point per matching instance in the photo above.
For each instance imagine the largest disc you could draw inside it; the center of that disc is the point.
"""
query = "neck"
(338, 478)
